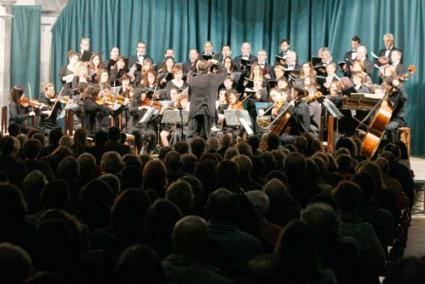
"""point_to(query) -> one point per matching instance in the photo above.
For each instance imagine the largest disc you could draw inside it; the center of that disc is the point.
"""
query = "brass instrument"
(264, 121)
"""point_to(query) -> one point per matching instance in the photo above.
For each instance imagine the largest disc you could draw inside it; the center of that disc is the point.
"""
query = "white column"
(47, 22)
(5, 45)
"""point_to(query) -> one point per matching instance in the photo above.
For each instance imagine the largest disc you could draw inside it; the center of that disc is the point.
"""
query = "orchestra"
(133, 93)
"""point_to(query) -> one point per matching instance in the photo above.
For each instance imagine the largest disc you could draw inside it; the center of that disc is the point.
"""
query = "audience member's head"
(244, 165)
(32, 185)
(322, 218)
(129, 213)
(114, 134)
(15, 264)
(182, 147)
(138, 264)
(68, 169)
(12, 204)
(31, 149)
(260, 202)
(100, 138)
(221, 205)
(14, 129)
(190, 236)
(228, 175)
(55, 195)
(111, 163)
(88, 167)
(188, 162)
(113, 181)
(180, 193)
(155, 176)
(348, 196)
(197, 147)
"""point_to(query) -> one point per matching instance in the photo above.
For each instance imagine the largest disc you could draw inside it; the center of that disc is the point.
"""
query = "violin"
(27, 102)
(237, 105)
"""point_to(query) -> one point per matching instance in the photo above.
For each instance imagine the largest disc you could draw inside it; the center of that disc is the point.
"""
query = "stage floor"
(418, 166)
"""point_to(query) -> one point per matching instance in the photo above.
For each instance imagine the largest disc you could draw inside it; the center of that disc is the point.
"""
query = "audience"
(215, 211)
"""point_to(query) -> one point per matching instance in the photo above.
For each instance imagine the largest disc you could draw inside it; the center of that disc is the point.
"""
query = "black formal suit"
(189, 66)
(398, 101)
(203, 95)
(282, 55)
(136, 59)
(219, 57)
(85, 56)
(237, 61)
(382, 52)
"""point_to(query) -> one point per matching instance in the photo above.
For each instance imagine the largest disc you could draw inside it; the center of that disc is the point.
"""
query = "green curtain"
(309, 24)
(25, 51)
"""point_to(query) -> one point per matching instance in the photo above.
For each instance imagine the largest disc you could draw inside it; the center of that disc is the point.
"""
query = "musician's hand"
(267, 76)
(214, 61)
(46, 112)
(396, 83)
(31, 113)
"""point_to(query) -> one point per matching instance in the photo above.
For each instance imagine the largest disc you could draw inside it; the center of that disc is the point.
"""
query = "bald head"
(190, 235)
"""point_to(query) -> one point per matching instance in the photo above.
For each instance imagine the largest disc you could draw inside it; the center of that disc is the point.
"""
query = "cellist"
(299, 122)
(398, 98)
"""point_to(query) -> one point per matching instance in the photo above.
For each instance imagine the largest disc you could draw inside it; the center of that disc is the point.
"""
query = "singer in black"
(203, 95)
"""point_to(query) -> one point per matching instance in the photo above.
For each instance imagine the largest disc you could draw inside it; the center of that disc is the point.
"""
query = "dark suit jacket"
(203, 92)
(237, 61)
(381, 53)
(134, 59)
(85, 57)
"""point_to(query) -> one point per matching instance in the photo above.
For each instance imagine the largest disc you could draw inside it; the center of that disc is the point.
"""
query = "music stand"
(177, 117)
(236, 117)
(334, 113)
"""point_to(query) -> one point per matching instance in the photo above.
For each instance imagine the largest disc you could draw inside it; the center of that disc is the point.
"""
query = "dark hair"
(129, 212)
(14, 129)
(356, 38)
(348, 196)
(198, 146)
(284, 40)
(138, 264)
(16, 93)
(114, 134)
(221, 204)
(12, 203)
(54, 136)
(101, 137)
(15, 264)
(55, 195)
(31, 148)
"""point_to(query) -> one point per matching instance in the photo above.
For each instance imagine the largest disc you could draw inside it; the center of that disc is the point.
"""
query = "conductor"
(203, 95)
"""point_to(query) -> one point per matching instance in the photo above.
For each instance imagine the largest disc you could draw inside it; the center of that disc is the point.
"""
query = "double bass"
(376, 128)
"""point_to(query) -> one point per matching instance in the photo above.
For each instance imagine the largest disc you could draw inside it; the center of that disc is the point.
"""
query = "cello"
(376, 128)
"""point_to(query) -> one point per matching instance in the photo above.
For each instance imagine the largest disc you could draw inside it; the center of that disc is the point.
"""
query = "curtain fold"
(25, 49)
(309, 24)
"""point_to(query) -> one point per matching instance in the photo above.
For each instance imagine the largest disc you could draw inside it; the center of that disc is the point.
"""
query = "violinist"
(81, 75)
(48, 101)
(75, 104)
(67, 72)
(96, 111)
(178, 101)
(232, 103)
(299, 122)
(137, 108)
(95, 68)
(19, 111)
(176, 83)
(312, 99)
(398, 99)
